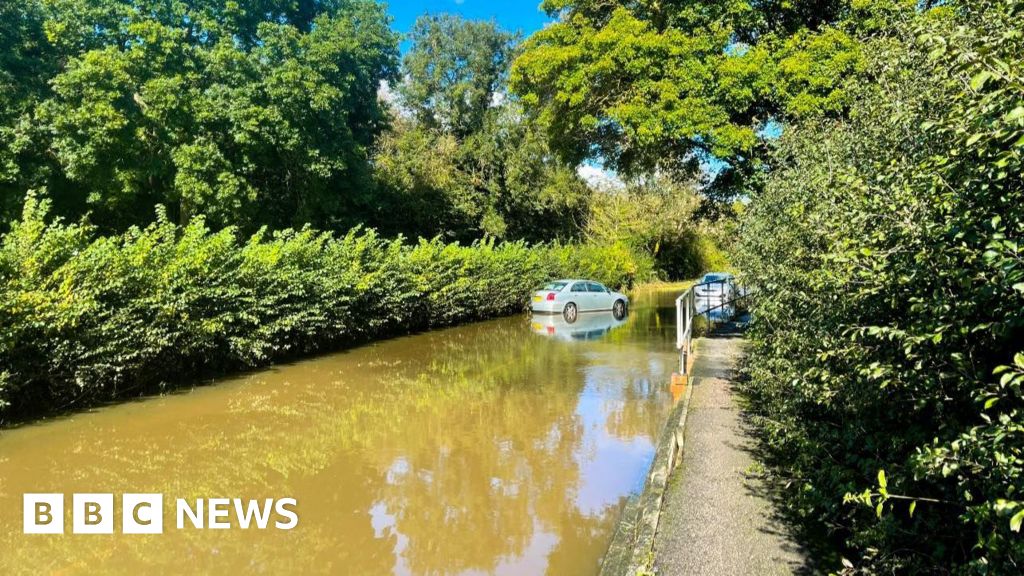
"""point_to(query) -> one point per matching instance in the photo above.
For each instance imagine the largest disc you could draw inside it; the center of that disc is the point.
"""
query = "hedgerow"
(86, 318)
(887, 356)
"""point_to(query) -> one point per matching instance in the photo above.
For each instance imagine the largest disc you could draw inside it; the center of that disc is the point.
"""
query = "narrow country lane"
(716, 517)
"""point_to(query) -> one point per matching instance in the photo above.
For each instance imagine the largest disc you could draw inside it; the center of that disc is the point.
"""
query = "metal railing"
(705, 298)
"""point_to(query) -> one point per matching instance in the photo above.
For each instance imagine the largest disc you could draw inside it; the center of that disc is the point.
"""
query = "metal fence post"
(686, 311)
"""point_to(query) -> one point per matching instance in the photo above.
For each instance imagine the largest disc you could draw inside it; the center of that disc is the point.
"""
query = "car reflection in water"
(588, 325)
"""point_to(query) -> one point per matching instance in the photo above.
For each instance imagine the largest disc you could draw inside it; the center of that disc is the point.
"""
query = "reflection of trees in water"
(630, 369)
(471, 493)
(634, 415)
(466, 436)
(479, 443)
(583, 537)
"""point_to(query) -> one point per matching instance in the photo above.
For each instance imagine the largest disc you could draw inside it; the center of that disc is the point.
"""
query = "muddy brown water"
(501, 447)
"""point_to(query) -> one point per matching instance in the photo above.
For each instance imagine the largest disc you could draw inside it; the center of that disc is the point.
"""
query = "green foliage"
(617, 266)
(461, 160)
(886, 362)
(662, 86)
(501, 182)
(254, 114)
(657, 217)
(26, 61)
(84, 319)
(267, 114)
(622, 88)
(454, 70)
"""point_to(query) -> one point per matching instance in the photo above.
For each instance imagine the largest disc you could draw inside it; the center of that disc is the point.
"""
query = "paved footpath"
(716, 518)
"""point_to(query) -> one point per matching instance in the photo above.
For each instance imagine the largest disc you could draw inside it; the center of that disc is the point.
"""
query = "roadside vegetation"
(90, 318)
(888, 343)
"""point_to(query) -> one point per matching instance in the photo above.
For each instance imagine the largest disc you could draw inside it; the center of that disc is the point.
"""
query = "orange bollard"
(678, 386)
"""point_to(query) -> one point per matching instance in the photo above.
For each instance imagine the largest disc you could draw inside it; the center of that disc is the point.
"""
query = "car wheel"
(570, 313)
(619, 309)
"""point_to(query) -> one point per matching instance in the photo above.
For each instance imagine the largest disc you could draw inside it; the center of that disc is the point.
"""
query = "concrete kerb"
(631, 551)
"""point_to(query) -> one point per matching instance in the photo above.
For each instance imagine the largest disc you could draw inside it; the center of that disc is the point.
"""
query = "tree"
(501, 181)
(26, 62)
(664, 86)
(262, 114)
(656, 216)
(455, 70)
(463, 161)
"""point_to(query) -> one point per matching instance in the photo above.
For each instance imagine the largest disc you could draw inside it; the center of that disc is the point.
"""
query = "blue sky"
(523, 16)
(512, 15)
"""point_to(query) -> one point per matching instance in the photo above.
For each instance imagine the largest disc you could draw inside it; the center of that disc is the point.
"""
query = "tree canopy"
(268, 113)
(665, 86)
(463, 160)
(261, 113)
(454, 71)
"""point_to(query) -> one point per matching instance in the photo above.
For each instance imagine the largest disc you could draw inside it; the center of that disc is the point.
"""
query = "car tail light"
(551, 296)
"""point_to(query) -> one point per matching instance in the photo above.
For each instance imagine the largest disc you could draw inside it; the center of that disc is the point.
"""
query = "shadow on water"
(503, 447)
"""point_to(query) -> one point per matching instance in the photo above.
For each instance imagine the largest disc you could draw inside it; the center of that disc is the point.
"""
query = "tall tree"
(464, 161)
(455, 70)
(501, 181)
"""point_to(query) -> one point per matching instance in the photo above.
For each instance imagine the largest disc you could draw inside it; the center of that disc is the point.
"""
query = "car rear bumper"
(546, 307)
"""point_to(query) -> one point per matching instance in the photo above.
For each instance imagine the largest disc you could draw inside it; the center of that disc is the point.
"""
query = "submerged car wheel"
(569, 313)
(619, 309)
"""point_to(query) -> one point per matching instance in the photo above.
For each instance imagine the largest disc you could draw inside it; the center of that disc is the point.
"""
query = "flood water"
(501, 447)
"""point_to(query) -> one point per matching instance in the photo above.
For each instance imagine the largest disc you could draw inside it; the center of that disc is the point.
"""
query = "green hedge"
(886, 366)
(86, 319)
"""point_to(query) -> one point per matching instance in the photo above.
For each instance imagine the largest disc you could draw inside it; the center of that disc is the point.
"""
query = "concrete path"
(716, 518)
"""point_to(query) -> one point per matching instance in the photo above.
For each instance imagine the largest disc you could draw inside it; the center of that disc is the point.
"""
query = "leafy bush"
(249, 115)
(84, 319)
(885, 370)
(616, 265)
(658, 216)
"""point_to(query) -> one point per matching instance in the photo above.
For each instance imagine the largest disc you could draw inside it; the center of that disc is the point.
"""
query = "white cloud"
(598, 177)
(386, 93)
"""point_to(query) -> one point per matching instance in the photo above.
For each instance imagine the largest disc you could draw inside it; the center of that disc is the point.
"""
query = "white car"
(571, 297)
(715, 291)
(718, 285)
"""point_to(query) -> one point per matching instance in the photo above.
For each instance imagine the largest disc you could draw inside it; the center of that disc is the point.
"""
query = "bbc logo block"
(142, 514)
(93, 513)
(43, 513)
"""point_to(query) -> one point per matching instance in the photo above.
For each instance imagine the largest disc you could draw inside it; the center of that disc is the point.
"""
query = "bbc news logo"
(144, 513)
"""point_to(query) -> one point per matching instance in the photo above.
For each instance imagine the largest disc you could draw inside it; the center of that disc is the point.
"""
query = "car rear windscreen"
(556, 286)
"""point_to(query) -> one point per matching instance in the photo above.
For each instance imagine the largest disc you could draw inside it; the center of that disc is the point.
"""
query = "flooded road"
(502, 447)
